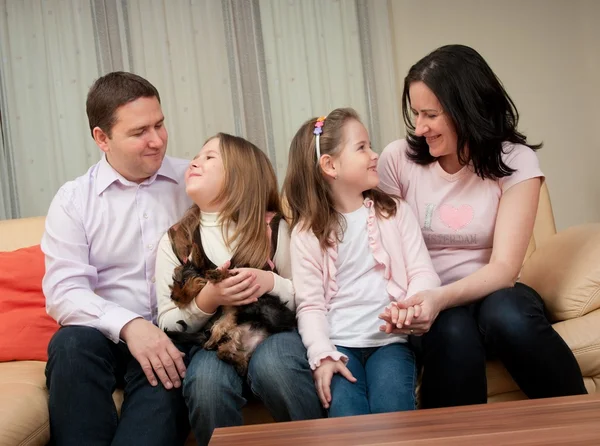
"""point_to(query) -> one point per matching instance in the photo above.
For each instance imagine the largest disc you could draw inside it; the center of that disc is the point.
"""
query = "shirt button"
(145, 215)
(153, 280)
(150, 247)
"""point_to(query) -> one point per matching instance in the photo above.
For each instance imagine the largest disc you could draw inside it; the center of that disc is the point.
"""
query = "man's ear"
(101, 139)
(328, 167)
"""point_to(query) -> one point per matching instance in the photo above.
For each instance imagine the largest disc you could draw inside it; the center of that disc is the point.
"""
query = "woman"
(473, 181)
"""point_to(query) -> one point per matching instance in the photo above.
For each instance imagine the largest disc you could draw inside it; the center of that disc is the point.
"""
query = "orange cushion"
(25, 328)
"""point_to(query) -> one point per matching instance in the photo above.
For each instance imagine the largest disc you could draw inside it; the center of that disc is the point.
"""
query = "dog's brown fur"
(233, 338)
(227, 337)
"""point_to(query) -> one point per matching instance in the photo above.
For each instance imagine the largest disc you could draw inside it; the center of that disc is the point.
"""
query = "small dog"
(234, 331)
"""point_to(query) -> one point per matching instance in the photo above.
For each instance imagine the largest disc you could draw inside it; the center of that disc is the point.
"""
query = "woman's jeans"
(509, 325)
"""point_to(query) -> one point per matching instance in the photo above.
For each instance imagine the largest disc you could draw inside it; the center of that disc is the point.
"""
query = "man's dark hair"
(110, 92)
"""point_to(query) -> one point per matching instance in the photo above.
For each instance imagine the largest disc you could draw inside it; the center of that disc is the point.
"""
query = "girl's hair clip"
(318, 130)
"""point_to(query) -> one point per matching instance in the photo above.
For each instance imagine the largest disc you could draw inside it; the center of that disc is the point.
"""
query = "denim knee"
(454, 331)
(511, 314)
(277, 360)
(73, 347)
(209, 380)
(74, 340)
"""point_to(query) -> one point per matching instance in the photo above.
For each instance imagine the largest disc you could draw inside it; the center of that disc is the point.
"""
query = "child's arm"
(307, 274)
(282, 282)
(419, 270)
(168, 313)
(420, 273)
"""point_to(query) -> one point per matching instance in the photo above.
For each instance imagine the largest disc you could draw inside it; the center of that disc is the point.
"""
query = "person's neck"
(346, 202)
(125, 174)
(208, 207)
(450, 163)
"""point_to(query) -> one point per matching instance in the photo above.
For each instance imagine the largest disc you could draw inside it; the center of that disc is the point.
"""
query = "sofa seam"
(583, 311)
(27, 440)
(590, 348)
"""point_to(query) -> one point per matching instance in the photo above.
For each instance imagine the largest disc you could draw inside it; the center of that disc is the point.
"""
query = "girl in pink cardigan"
(355, 251)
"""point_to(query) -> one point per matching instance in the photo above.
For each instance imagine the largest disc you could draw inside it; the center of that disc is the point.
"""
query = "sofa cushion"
(25, 328)
(572, 289)
(24, 404)
(583, 338)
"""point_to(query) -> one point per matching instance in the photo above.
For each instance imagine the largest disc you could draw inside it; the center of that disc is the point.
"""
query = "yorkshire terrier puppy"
(234, 331)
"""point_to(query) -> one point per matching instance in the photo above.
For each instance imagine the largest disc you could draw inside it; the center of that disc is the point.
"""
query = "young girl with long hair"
(236, 211)
(355, 251)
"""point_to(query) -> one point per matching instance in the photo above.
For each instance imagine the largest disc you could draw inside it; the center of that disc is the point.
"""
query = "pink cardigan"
(396, 243)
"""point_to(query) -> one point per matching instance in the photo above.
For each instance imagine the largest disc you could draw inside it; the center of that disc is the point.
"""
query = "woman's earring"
(335, 177)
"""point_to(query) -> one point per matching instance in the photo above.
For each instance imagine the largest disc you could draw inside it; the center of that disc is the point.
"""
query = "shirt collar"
(107, 175)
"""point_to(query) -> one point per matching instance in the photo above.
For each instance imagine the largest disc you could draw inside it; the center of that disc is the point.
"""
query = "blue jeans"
(84, 368)
(386, 379)
(278, 374)
(510, 325)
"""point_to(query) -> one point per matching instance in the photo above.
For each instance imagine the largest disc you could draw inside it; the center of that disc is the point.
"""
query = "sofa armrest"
(565, 271)
(583, 338)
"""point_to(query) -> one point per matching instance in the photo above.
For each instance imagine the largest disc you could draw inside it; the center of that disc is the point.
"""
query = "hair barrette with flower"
(318, 130)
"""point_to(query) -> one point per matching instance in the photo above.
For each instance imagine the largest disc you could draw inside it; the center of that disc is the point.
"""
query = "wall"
(547, 55)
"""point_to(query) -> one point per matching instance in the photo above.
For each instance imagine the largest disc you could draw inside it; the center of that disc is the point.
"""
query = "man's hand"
(155, 352)
(323, 374)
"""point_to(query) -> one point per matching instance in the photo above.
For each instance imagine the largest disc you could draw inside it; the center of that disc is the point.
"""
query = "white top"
(218, 253)
(362, 293)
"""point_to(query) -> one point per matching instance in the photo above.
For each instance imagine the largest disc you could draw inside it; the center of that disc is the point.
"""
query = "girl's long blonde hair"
(307, 192)
(249, 192)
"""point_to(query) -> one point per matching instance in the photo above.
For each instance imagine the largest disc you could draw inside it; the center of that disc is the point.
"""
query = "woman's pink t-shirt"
(456, 212)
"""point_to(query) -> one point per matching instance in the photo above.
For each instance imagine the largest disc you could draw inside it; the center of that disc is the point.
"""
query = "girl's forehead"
(354, 129)
(211, 145)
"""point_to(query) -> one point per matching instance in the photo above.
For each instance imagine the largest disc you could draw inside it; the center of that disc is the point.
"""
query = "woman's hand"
(415, 315)
(396, 318)
(323, 374)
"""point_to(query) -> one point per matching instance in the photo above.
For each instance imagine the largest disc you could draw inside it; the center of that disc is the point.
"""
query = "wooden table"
(571, 420)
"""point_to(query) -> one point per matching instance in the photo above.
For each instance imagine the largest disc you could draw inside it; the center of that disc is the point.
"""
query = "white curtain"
(256, 68)
(313, 64)
(181, 47)
(48, 63)
(6, 182)
(386, 80)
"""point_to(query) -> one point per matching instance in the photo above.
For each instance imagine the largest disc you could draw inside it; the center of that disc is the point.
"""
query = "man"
(100, 245)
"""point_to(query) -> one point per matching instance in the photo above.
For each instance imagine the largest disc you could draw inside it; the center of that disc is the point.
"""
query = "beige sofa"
(563, 267)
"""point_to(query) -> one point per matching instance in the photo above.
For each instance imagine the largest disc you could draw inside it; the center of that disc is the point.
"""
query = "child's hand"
(397, 318)
(263, 278)
(239, 289)
(431, 302)
(323, 374)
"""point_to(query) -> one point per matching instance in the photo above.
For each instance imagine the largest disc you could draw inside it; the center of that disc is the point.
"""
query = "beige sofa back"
(22, 232)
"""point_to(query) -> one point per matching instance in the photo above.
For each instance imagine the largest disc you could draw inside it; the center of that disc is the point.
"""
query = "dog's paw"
(183, 325)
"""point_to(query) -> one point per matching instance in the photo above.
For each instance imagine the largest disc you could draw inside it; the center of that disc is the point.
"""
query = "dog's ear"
(179, 243)
(196, 255)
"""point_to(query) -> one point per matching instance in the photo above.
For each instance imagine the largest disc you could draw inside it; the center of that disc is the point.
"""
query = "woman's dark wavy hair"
(483, 114)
